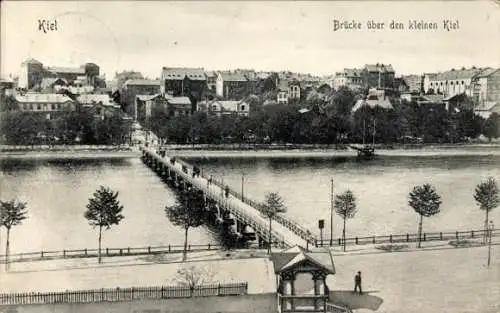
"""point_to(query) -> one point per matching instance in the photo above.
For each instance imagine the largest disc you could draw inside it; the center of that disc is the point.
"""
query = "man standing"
(357, 283)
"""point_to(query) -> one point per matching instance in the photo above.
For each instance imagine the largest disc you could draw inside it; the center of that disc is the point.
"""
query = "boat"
(366, 151)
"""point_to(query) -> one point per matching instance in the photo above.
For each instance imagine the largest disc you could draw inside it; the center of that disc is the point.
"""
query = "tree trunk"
(420, 230)
(184, 254)
(7, 248)
(485, 234)
(99, 252)
(343, 234)
(269, 243)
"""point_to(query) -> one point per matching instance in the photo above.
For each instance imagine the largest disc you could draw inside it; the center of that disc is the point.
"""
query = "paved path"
(280, 232)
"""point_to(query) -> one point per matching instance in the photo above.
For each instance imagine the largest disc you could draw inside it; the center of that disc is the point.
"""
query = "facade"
(51, 84)
(101, 105)
(351, 78)
(133, 87)
(181, 81)
(211, 80)
(177, 106)
(413, 83)
(487, 87)
(33, 72)
(228, 107)
(288, 90)
(451, 82)
(230, 85)
(378, 76)
(45, 103)
(145, 105)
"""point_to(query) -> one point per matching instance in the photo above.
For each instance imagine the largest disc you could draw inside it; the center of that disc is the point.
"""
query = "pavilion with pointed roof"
(302, 294)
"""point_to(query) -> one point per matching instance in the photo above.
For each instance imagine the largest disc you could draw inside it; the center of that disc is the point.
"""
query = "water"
(57, 192)
(381, 187)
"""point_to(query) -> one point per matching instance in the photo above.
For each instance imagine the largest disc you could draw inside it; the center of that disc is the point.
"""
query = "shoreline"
(242, 152)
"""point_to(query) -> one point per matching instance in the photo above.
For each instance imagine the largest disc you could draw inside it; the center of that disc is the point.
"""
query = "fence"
(400, 238)
(90, 253)
(38, 147)
(125, 294)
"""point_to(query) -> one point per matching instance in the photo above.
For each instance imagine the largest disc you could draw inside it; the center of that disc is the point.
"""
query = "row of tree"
(27, 128)
(426, 202)
(328, 123)
(104, 210)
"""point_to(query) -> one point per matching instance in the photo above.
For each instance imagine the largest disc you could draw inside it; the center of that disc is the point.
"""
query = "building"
(32, 73)
(487, 87)
(378, 76)
(375, 98)
(288, 90)
(451, 82)
(227, 107)
(45, 103)
(413, 83)
(211, 80)
(231, 85)
(351, 78)
(181, 81)
(52, 84)
(133, 87)
(146, 105)
(101, 105)
(177, 106)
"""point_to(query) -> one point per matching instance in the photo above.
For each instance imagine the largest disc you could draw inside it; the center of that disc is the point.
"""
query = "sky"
(263, 35)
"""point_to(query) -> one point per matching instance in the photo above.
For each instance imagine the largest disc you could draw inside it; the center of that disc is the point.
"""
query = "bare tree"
(345, 206)
(426, 202)
(193, 277)
(11, 213)
(487, 197)
(273, 204)
(104, 210)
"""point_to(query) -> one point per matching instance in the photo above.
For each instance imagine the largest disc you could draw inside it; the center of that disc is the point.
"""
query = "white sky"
(294, 36)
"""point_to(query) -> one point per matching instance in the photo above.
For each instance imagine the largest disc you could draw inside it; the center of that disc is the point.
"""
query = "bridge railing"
(257, 226)
(408, 237)
(287, 222)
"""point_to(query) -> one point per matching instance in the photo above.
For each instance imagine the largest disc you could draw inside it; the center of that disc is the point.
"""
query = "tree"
(426, 202)
(487, 197)
(273, 204)
(345, 206)
(193, 277)
(186, 213)
(104, 210)
(11, 213)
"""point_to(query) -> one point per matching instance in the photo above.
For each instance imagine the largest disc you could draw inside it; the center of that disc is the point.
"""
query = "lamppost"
(331, 214)
(490, 234)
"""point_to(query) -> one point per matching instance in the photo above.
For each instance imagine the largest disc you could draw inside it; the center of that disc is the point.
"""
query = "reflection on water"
(57, 192)
(381, 187)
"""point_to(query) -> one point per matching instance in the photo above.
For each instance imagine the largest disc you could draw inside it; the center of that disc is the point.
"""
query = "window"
(462, 82)
(38, 106)
(53, 107)
(243, 108)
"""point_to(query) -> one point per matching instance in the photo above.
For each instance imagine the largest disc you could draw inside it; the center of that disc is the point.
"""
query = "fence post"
(128, 250)
(373, 239)
(356, 240)
(440, 235)
(456, 235)
(208, 246)
(390, 238)
(472, 233)
(107, 251)
(41, 254)
(121, 252)
(424, 236)
(64, 254)
(407, 237)
(85, 252)
(149, 250)
(168, 248)
(132, 293)
(218, 289)
(118, 293)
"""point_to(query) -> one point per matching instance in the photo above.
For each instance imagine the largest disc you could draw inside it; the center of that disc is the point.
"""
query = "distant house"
(486, 91)
(413, 83)
(227, 107)
(288, 90)
(375, 98)
(51, 84)
(211, 80)
(378, 76)
(231, 85)
(145, 105)
(351, 78)
(487, 108)
(451, 82)
(133, 87)
(183, 81)
(177, 106)
(101, 105)
(44, 103)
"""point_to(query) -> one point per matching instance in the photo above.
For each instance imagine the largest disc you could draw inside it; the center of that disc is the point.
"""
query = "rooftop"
(385, 104)
(179, 101)
(178, 73)
(142, 82)
(66, 70)
(103, 99)
(383, 68)
(233, 76)
(43, 98)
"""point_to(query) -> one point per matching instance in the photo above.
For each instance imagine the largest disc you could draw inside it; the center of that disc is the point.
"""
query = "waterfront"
(58, 190)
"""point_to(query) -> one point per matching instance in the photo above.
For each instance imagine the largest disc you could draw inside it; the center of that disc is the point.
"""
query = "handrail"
(254, 224)
(330, 307)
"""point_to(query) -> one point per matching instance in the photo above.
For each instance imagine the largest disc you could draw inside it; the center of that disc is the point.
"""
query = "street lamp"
(491, 227)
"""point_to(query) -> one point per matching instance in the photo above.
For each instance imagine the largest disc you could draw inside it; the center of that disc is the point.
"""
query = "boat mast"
(373, 144)
(364, 131)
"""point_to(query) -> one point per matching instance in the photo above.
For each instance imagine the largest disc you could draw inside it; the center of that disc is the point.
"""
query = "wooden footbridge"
(228, 204)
